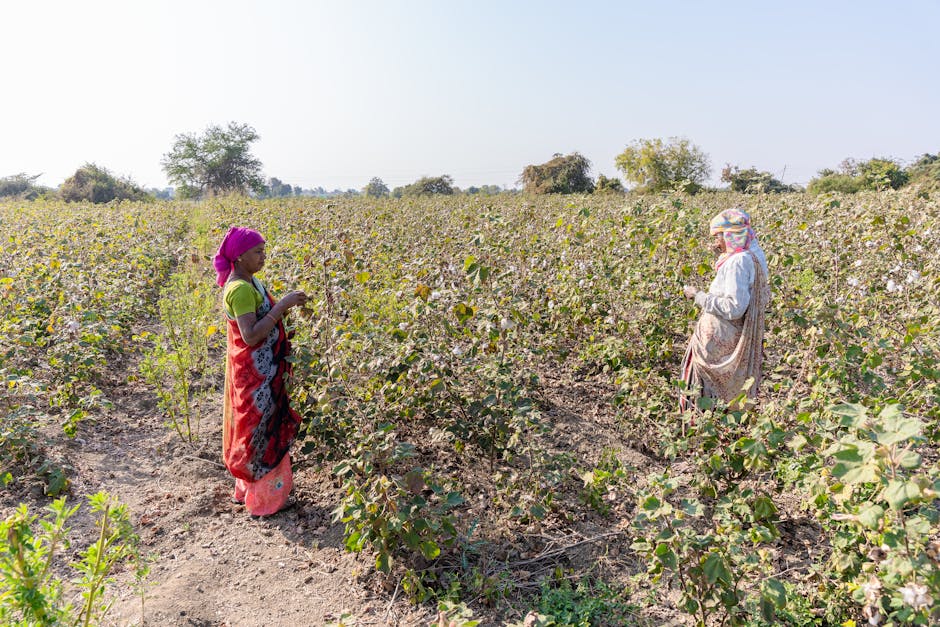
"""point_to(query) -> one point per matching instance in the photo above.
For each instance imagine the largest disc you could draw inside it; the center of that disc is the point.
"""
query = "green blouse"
(241, 297)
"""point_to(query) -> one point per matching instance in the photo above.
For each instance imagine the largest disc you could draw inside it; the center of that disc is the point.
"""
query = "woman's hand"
(294, 299)
(689, 291)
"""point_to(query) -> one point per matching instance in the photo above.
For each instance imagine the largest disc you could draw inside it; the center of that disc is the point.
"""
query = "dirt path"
(213, 565)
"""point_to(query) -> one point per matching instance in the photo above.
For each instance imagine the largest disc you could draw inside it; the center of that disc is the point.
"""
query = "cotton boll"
(916, 596)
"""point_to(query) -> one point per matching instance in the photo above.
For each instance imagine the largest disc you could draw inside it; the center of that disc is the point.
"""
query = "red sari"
(258, 423)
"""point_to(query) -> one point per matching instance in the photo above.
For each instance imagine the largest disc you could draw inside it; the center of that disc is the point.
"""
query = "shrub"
(844, 183)
(608, 185)
(428, 186)
(91, 183)
(925, 172)
(566, 174)
(875, 174)
(31, 592)
(752, 181)
(879, 174)
(21, 185)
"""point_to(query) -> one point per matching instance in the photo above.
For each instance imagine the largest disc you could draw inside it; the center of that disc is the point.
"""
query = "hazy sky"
(343, 91)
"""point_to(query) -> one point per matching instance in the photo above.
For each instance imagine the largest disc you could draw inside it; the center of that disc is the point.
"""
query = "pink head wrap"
(235, 242)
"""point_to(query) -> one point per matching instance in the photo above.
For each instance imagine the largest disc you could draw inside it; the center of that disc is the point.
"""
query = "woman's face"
(718, 243)
(252, 260)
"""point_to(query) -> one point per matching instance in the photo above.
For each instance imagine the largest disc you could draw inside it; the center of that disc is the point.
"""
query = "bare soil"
(214, 565)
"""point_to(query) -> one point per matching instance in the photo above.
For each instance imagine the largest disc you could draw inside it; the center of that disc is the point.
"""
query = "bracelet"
(268, 315)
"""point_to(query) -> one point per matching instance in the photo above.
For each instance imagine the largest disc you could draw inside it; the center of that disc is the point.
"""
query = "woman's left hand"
(689, 291)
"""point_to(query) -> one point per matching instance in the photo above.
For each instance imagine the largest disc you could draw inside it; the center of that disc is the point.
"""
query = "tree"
(854, 176)
(161, 194)
(277, 188)
(608, 185)
(752, 181)
(566, 174)
(21, 185)
(655, 166)
(91, 183)
(427, 186)
(217, 162)
(485, 190)
(882, 174)
(925, 172)
(376, 188)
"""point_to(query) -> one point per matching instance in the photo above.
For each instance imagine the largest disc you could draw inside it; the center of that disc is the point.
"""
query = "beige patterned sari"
(724, 354)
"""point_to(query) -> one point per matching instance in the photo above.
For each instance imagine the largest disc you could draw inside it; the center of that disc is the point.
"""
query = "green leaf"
(909, 459)
(463, 312)
(871, 516)
(852, 414)
(692, 507)
(776, 592)
(868, 473)
(918, 527)
(797, 443)
(899, 493)
(641, 546)
(665, 555)
(353, 543)
(412, 539)
(763, 508)
(715, 569)
(382, 562)
(898, 430)
(363, 277)
(430, 550)
(767, 609)
(56, 482)
(847, 459)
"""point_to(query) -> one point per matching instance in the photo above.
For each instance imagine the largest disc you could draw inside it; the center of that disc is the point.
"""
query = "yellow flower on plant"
(849, 623)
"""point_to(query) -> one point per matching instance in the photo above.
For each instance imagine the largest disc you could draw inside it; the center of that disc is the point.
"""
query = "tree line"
(219, 161)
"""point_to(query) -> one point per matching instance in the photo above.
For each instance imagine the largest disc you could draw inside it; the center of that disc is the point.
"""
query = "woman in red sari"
(258, 423)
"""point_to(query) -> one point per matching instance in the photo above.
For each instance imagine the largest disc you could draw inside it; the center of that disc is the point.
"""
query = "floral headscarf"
(735, 226)
(235, 242)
